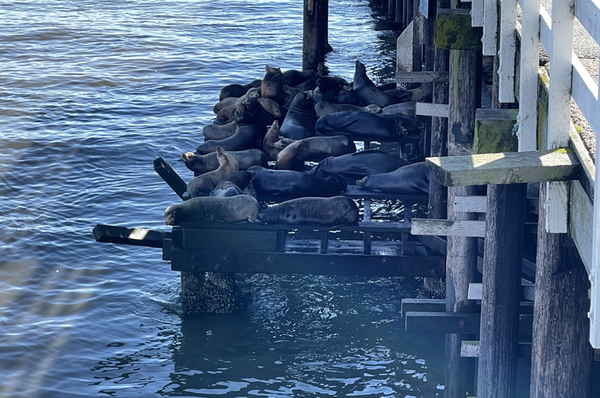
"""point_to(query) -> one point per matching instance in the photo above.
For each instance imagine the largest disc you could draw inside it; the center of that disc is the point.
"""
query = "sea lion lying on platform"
(359, 164)
(294, 184)
(236, 183)
(334, 211)
(366, 125)
(237, 90)
(325, 107)
(204, 209)
(315, 149)
(203, 163)
(204, 183)
(368, 93)
(412, 179)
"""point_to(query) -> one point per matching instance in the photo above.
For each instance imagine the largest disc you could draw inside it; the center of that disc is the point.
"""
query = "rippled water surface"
(90, 93)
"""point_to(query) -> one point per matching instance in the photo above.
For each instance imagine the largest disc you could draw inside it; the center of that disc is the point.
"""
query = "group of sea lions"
(264, 133)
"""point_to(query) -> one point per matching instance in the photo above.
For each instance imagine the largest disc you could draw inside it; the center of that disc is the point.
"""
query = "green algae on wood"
(453, 31)
(495, 131)
(505, 168)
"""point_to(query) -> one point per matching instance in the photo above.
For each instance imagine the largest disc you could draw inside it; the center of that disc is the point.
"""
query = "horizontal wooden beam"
(470, 349)
(476, 289)
(129, 236)
(170, 176)
(306, 263)
(421, 77)
(422, 305)
(470, 204)
(429, 226)
(455, 322)
(435, 110)
(505, 168)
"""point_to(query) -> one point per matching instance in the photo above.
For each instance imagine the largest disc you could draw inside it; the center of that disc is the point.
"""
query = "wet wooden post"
(315, 34)
(461, 258)
(562, 357)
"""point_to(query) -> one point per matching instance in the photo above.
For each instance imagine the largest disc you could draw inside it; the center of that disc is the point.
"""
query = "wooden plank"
(467, 228)
(170, 176)
(477, 13)
(129, 236)
(404, 46)
(585, 94)
(306, 263)
(527, 291)
(226, 239)
(471, 349)
(422, 77)
(442, 322)
(506, 69)
(588, 177)
(490, 27)
(505, 168)
(528, 75)
(588, 13)
(453, 30)
(581, 223)
(422, 305)
(437, 110)
(470, 204)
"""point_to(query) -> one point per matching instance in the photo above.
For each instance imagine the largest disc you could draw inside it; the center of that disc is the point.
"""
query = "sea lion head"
(171, 215)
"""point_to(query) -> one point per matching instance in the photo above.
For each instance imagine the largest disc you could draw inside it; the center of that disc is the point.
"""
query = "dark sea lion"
(237, 90)
(368, 93)
(224, 103)
(412, 179)
(315, 149)
(288, 158)
(223, 116)
(334, 211)
(366, 125)
(299, 122)
(245, 137)
(203, 209)
(325, 107)
(218, 131)
(293, 77)
(204, 183)
(359, 164)
(251, 110)
(273, 87)
(347, 95)
(408, 109)
(329, 88)
(294, 184)
(236, 183)
(203, 163)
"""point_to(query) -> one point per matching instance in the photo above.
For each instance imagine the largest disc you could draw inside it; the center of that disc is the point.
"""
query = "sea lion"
(299, 122)
(325, 107)
(366, 125)
(412, 179)
(223, 116)
(236, 183)
(224, 103)
(203, 163)
(408, 109)
(273, 87)
(293, 77)
(237, 90)
(315, 149)
(334, 211)
(358, 165)
(259, 111)
(288, 158)
(294, 184)
(218, 131)
(271, 139)
(245, 137)
(204, 209)
(368, 93)
(204, 183)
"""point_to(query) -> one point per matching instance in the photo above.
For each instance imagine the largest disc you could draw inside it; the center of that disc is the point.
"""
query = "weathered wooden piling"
(315, 34)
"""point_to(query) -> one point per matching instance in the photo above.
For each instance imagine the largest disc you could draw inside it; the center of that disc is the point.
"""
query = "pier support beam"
(315, 34)
(561, 358)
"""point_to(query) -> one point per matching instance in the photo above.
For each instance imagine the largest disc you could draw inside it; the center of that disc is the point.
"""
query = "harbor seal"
(202, 163)
(204, 209)
(358, 165)
(334, 211)
(412, 179)
(366, 125)
(294, 184)
(299, 122)
(204, 183)
(368, 93)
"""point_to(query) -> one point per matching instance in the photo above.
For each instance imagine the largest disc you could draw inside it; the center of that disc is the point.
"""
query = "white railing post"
(506, 70)
(490, 27)
(595, 283)
(477, 13)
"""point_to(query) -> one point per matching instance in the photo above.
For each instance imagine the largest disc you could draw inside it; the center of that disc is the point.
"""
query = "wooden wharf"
(501, 307)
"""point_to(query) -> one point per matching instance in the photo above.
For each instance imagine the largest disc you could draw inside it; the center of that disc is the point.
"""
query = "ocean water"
(90, 93)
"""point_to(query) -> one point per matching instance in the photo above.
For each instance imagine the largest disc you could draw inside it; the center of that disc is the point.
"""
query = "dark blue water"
(90, 93)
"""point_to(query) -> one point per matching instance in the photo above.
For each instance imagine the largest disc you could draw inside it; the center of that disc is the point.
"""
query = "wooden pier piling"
(315, 34)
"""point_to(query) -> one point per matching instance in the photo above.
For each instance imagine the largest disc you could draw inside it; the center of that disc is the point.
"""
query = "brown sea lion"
(273, 87)
(203, 163)
(294, 184)
(299, 121)
(204, 209)
(237, 90)
(273, 143)
(237, 183)
(288, 158)
(359, 164)
(204, 183)
(218, 131)
(334, 211)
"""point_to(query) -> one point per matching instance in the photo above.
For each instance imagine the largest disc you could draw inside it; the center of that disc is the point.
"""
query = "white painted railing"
(568, 79)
